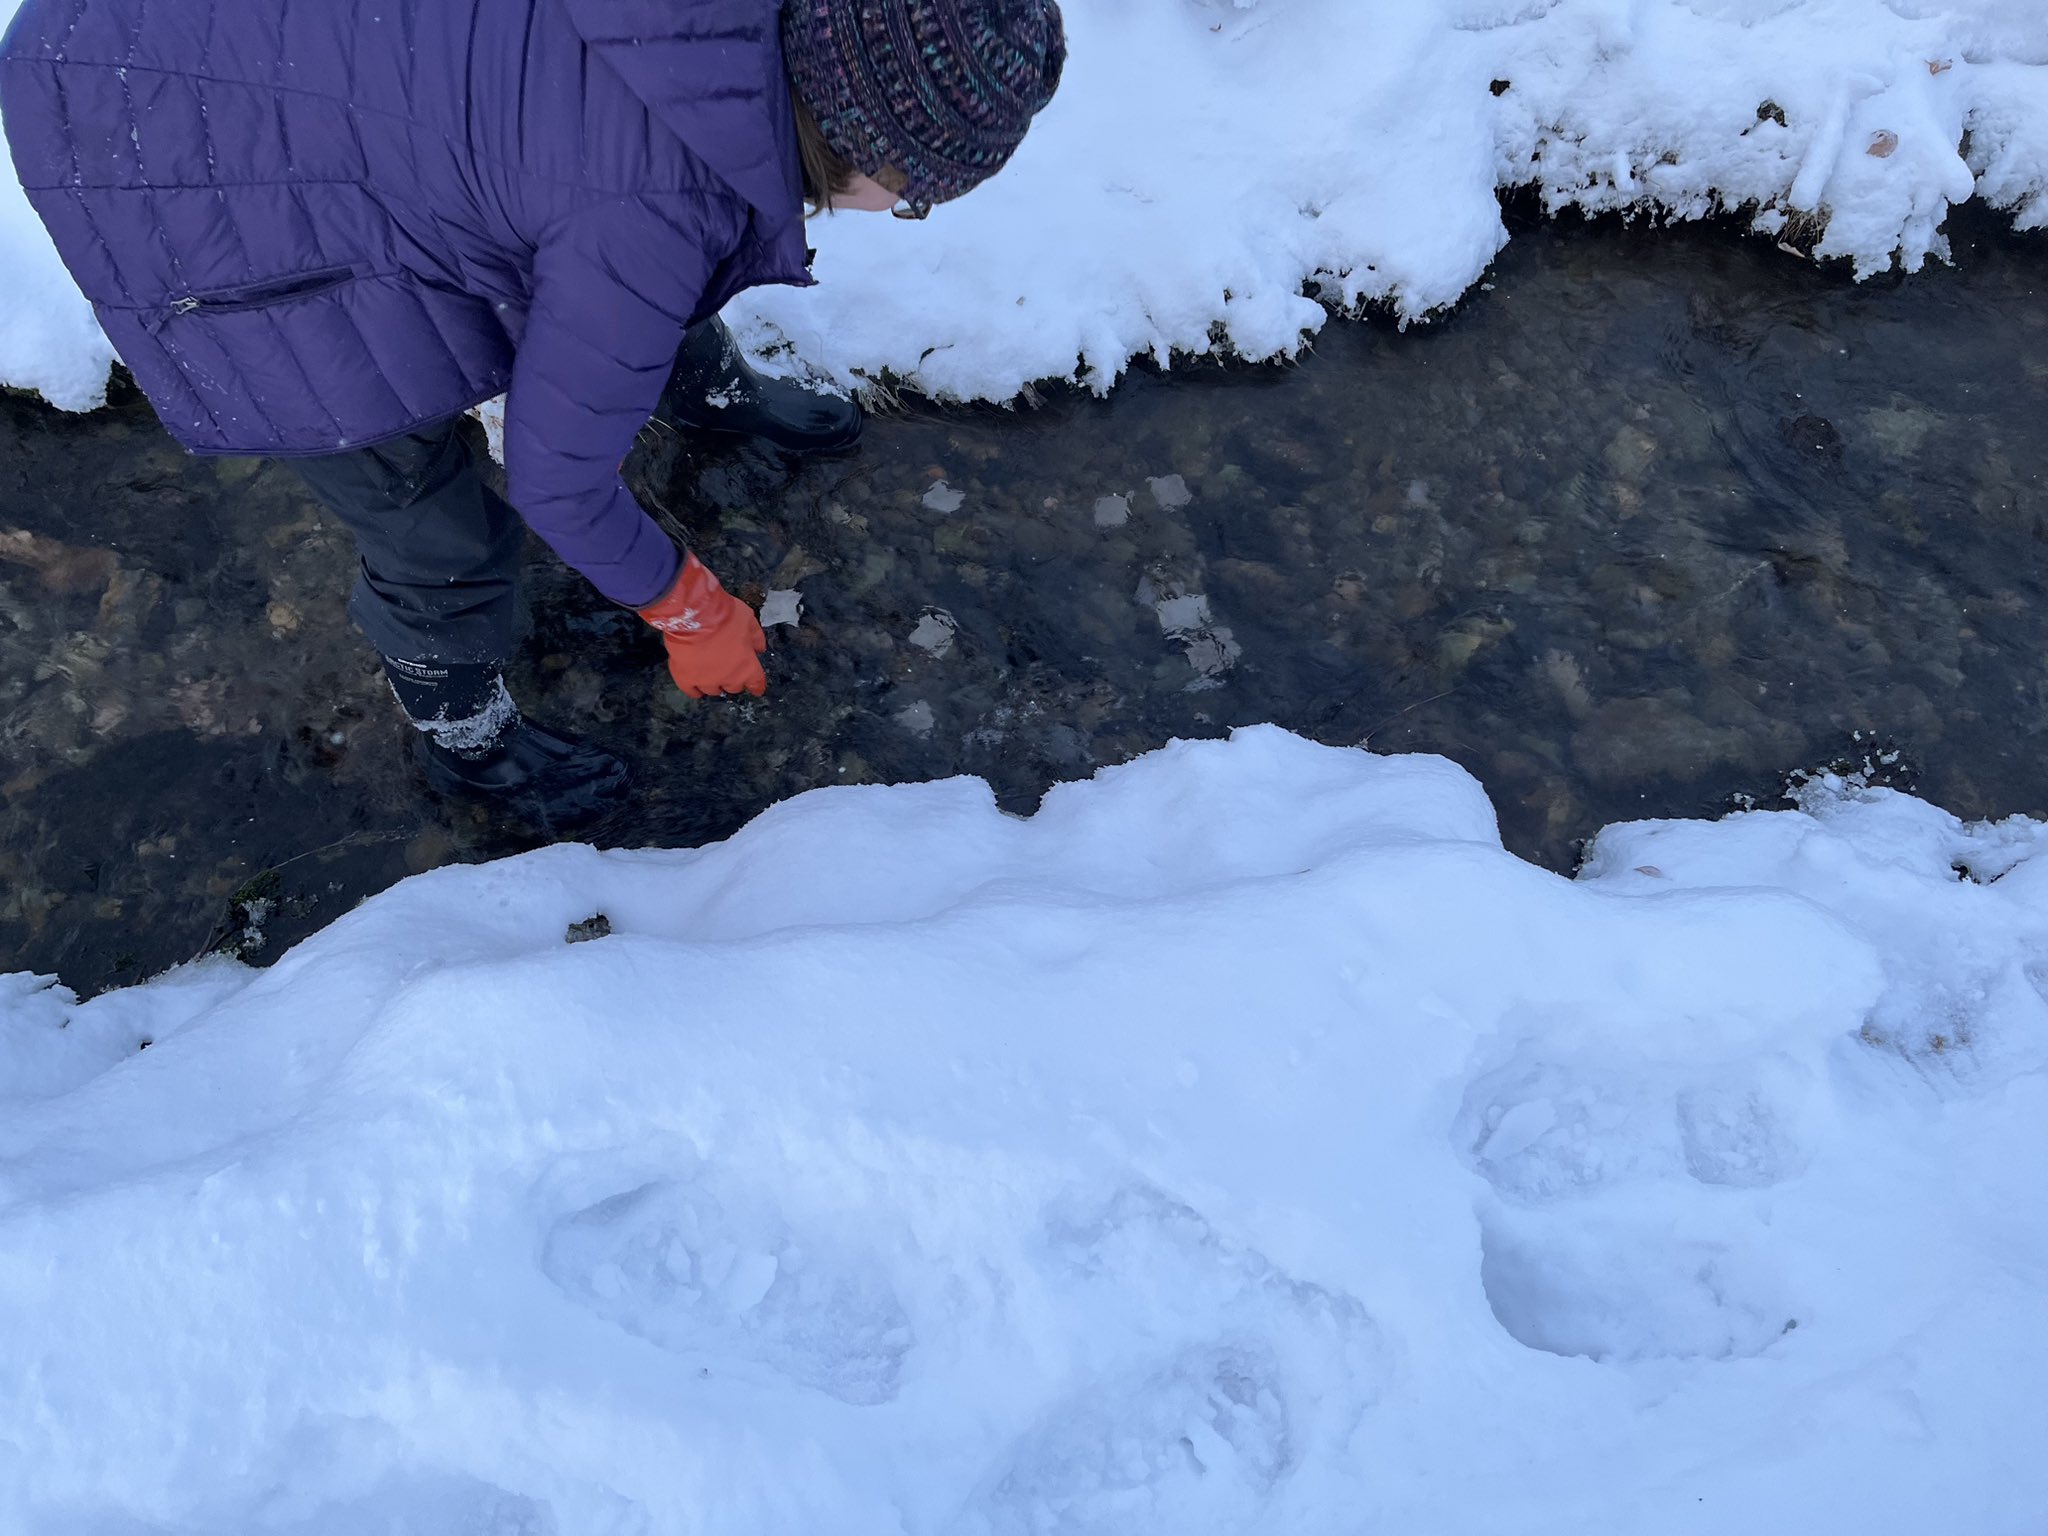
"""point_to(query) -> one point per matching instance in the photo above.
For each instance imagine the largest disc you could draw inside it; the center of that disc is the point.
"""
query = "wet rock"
(1065, 746)
(1814, 436)
(201, 704)
(1899, 430)
(1283, 451)
(838, 514)
(1256, 583)
(797, 567)
(430, 849)
(1231, 484)
(1028, 541)
(284, 536)
(1637, 741)
(130, 599)
(62, 568)
(958, 541)
(1629, 454)
(877, 568)
(1460, 644)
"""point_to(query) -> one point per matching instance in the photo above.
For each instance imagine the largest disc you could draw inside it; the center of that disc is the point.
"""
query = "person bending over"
(323, 232)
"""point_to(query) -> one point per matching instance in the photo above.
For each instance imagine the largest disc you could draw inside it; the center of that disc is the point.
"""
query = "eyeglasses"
(907, 207)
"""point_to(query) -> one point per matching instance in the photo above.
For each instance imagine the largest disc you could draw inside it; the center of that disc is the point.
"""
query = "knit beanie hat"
(940, 90)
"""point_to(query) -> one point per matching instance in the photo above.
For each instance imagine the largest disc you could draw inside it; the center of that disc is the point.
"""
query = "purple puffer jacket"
(310, 226)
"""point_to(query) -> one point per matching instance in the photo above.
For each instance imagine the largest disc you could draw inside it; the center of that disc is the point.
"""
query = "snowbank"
(1207, 159)
(49, 341)
(1244, 1143)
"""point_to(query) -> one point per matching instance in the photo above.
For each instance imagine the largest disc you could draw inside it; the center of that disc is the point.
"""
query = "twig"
(1366, 739)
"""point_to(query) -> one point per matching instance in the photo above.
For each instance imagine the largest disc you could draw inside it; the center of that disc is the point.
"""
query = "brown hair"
(826, 173)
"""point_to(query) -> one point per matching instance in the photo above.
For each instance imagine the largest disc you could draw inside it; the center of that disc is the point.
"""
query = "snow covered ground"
(1245, 1143)
(1207, 159)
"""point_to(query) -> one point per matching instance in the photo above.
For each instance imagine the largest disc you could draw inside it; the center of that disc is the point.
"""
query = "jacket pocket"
(306, 285)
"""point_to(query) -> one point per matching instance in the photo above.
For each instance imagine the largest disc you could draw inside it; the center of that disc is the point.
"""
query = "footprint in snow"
(1197, 1444)
(1541, 1129)
(731, 1287)
(423, 1504)
(1246, 1374)
(1570, 1263)
(1621, 1289)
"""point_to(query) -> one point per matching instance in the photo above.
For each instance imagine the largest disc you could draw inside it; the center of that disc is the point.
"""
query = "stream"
(1654, 519)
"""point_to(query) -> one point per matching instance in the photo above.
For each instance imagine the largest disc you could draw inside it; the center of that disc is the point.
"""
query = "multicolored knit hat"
(940, 90)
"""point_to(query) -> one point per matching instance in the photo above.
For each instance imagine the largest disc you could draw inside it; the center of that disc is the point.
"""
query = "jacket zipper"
(309, 286)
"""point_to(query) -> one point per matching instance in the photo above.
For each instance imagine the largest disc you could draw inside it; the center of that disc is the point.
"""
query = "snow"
(49, 341)
(1213, 169)
(1211, 164)
(1245, 1142)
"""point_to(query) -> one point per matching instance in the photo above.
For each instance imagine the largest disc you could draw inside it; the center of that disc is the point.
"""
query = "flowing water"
(1655, 518)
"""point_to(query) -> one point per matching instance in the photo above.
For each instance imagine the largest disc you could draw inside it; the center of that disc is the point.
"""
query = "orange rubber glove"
(714, 641)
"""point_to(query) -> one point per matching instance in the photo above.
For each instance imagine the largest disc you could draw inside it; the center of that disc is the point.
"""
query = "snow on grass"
(1210, 160)
(1245, 1143)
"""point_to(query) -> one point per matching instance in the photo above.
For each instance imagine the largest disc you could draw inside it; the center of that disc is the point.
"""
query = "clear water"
(1651, 521)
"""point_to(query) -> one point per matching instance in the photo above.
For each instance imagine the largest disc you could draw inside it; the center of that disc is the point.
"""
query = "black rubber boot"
(714, 389)
(553, 780)
(473, 741)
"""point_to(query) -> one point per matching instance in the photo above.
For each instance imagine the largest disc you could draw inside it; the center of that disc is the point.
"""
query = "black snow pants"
(437, 592)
